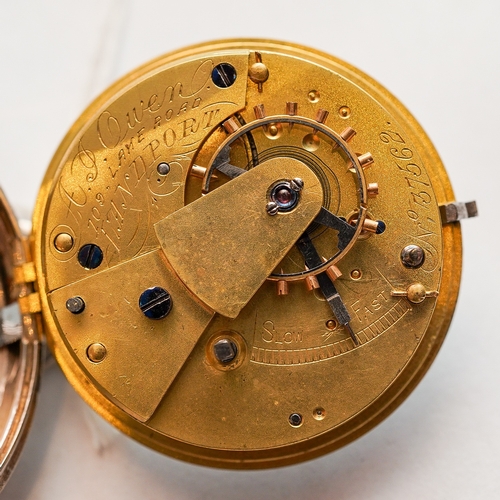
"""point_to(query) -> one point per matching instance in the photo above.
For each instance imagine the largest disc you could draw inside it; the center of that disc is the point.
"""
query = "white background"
(442, 59)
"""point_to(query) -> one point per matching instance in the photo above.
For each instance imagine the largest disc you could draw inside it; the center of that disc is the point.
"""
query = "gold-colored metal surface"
(232, 242)
(143, 355)
(293, 326)
(30, 304)
(25, 273)
(19, 360)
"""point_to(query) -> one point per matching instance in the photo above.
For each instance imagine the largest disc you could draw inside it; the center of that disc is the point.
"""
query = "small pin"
(96, 352)
(63, 242)
(372, 190)
(231, 125)
(365, 160)
(312, 282)
(200, 172)
(333, 271)
(370, 225)
(273, 130)
(282, 286)
(75, 305)
(321, 115)
(259, 111)
(412, 256)
(291, 110)
(347, 134)
(163, 168)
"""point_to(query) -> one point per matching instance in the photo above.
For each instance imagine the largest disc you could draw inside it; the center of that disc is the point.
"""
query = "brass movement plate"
(284, 208)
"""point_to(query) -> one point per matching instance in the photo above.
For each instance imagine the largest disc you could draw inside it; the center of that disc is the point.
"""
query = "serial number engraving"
(421, 202)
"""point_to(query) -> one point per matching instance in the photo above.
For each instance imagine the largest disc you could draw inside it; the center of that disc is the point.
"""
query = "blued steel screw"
(90, 256)
(224, 75)
(155, 303)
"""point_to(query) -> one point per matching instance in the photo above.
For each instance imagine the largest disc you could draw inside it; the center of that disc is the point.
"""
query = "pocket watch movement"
(246, 254)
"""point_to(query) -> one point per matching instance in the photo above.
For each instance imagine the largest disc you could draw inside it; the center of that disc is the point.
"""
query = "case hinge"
(25, 273)
(30, 304)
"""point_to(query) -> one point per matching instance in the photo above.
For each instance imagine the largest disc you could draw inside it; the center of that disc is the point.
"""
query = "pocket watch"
(244, 254)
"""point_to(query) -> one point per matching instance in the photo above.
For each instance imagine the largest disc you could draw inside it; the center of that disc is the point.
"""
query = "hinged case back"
(20, 346)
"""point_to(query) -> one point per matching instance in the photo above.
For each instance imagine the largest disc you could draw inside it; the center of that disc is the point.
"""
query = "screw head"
(297, 184)
(412, 256)
(63, 242)
(75, 305)
(155, 303)
(163, 168)
(225, 351)
(295, 419)
(272, 208)
(96, 352)
(224, 75)
(90, 256)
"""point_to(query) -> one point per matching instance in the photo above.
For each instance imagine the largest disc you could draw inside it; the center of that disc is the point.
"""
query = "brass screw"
(96, 352)
(63, 242)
